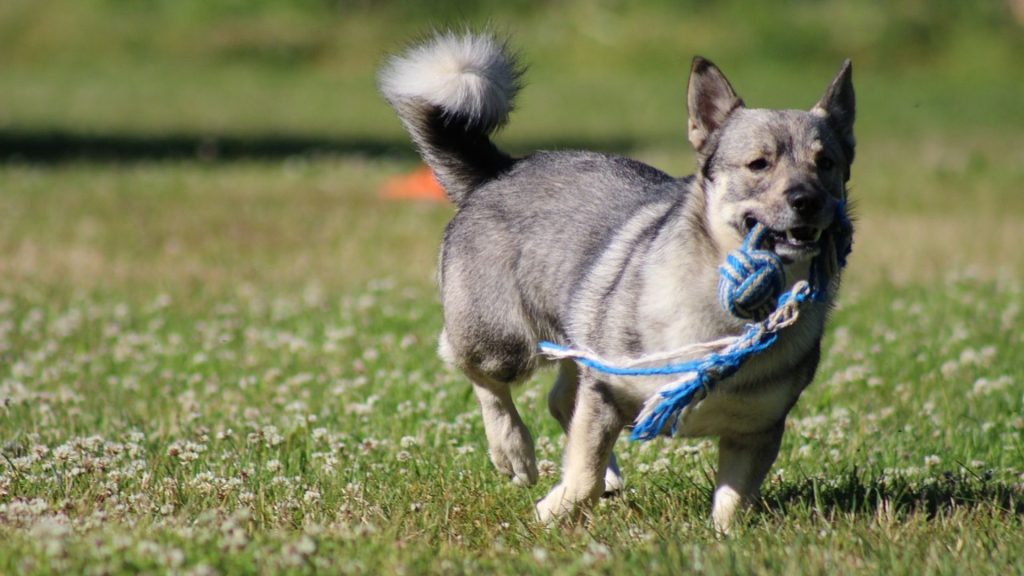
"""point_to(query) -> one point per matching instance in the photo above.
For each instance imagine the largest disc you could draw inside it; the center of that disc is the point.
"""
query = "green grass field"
(217, 341)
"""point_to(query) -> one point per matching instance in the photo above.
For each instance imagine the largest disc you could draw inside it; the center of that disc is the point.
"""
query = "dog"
(609, 254)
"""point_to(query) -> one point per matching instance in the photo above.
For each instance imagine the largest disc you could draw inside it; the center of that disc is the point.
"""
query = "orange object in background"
(420, 184)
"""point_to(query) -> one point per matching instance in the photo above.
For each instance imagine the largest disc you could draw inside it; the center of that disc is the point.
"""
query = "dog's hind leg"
(596, 424)
(485, 337)
(562, 402)
(509, 442)
(508, 439)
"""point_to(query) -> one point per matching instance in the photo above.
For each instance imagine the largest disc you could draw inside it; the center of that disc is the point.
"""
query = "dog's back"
(533, 234)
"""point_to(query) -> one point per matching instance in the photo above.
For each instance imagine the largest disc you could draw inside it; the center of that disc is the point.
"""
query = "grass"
(316, 431)
(224, 362)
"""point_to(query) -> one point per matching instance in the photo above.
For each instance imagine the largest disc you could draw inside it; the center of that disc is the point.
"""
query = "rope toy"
(751, 279)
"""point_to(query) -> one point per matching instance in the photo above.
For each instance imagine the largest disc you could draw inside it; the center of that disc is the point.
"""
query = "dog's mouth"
(793, 244)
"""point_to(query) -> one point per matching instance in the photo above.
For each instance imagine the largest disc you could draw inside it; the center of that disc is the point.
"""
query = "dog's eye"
(825, 163)
(758, 165)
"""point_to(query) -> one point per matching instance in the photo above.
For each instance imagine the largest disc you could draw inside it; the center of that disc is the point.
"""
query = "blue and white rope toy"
(752, 279)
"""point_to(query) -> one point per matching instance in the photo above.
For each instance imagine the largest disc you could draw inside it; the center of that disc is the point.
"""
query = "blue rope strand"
(666, 370)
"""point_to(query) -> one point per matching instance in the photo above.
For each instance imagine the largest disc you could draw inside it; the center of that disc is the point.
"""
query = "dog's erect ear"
(838, 107)
(710, 99)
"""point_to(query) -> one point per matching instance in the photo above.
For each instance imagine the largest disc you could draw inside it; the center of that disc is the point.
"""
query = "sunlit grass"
(320, 433)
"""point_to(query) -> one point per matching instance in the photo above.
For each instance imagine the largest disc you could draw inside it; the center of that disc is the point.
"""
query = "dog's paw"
(727, 503)
(613, 482)
(554, 506)
(565, 502)
(514, 458)
(525, 476)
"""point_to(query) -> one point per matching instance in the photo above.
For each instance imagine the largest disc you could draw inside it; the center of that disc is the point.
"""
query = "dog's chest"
(764, 389)
(752, 400)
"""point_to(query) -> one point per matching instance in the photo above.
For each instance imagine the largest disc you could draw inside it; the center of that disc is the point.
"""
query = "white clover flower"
(271, 436)
(949, 368)
(595, 552)
(171, 558)
(63, 454)
(185, 451)
(970, 356)
(547, 468)
(306, 545)
(329, 463)
(984, 386)
(233, 537)
(691, 449)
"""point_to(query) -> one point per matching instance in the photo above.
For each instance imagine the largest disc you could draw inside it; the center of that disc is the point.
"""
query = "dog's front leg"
(743, 463)
(596, 423)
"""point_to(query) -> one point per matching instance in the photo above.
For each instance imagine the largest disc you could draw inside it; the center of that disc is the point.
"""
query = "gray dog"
(610, 255)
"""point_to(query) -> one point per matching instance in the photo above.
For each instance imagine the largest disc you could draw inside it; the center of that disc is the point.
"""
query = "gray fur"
(608, 254)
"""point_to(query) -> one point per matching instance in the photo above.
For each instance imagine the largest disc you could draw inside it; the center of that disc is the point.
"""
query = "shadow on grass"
(57, 146)
(859, 492)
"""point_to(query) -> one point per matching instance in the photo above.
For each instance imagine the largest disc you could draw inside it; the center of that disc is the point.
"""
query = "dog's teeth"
(792, 238)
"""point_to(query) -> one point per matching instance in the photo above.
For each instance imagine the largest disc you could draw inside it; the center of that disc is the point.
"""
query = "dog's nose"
(806, 202)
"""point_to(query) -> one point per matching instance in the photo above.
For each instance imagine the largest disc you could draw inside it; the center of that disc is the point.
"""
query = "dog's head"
(785, 169)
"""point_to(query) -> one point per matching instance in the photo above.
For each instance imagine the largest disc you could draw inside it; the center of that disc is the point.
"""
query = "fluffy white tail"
(451, 92)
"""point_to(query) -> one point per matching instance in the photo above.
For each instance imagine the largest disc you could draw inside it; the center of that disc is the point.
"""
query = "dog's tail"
(451, 92)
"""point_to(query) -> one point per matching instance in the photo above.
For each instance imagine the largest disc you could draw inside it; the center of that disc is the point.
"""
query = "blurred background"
(121, 121)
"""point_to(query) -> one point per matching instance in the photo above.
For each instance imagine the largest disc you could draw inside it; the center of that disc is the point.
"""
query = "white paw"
(613, 481)
(554, 506)
(727, 503)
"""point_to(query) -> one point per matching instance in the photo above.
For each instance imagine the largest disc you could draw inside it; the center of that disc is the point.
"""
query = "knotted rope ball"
(751, 279)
